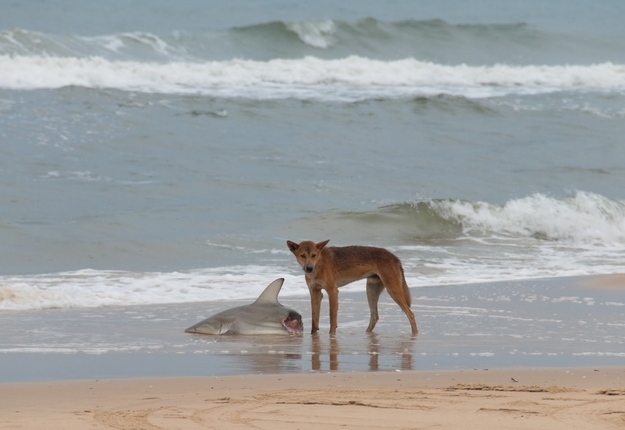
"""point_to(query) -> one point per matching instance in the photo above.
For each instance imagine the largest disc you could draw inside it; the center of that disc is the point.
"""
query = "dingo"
(332, 267)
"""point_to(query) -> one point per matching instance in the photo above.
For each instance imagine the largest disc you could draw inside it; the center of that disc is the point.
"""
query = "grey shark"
(265, 316)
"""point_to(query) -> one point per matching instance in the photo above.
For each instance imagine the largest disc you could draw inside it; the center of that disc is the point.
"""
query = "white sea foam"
(117, 42)
(318, 34)
(532, 237)
(351, 78)
(95, 288)
(26, 42)
(584, 218)
(78, 348)
(600, 354)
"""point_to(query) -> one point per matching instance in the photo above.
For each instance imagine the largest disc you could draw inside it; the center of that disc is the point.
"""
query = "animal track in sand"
(126, 419)
(612, 392)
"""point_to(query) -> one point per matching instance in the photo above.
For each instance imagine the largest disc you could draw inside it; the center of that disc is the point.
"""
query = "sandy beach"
(158, 156)
(520, 355)
(487, 399)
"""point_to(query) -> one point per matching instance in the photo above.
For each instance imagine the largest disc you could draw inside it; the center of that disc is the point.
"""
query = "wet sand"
(572, 322)
(543, 353)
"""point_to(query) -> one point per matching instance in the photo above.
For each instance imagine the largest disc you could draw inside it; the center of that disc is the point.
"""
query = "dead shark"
(265, 316)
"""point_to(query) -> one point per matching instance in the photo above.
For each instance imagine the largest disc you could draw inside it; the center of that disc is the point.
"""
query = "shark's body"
(265, 316)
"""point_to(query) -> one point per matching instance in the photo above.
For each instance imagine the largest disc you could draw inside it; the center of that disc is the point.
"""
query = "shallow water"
(155, 157)
(551, 322)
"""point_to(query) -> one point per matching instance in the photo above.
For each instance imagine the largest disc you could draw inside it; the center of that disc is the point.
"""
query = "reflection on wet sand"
(275, 362)
(403, 347)
(319, 349)
(257, 354)
(322, 347)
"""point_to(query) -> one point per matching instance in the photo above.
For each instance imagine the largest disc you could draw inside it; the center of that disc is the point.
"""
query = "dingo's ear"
(321, 245)
(292, 246)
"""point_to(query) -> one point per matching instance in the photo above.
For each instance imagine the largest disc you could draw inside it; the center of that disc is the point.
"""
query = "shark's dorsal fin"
(270, 295)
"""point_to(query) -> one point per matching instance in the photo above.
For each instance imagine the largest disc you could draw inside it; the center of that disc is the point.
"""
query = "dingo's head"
(307, 253)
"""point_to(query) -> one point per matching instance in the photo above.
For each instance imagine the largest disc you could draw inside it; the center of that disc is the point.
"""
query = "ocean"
(157, 152)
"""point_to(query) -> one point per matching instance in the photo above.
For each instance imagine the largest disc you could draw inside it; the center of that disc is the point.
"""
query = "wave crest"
(581, 219)
(584, 217)
(318, 34)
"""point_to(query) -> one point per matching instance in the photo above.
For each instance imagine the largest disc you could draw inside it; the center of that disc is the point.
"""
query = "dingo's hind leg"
(398, 290)
(374, 289)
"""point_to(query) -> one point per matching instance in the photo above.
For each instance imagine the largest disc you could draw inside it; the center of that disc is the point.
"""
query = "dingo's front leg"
(315, 305)
(333, 297)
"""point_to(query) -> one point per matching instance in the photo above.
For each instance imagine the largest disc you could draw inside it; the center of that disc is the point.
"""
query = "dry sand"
(485, 399)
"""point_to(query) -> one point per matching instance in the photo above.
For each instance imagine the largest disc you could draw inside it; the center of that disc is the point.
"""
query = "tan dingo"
(332, 267)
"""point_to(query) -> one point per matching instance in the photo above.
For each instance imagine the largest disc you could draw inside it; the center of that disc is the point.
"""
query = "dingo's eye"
(303, 255)
(313, 255)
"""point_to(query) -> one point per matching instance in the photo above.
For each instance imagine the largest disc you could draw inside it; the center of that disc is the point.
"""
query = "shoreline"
(557, 398)
(535, 323)
(522, 354)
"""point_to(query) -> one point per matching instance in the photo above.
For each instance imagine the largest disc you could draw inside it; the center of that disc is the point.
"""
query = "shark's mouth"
(293, 323)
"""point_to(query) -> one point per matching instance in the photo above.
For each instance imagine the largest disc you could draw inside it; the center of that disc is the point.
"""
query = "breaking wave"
(352, 78)
(583, 218)
(440, 242)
